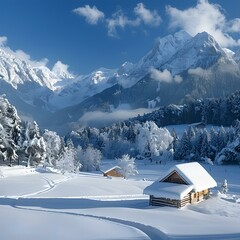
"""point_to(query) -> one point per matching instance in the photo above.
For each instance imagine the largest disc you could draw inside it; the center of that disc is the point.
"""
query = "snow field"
(49, 205)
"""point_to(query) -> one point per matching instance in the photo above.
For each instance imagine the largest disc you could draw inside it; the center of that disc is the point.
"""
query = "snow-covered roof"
(168, 190)
(194, 174)
(108, 169)
(196, 177)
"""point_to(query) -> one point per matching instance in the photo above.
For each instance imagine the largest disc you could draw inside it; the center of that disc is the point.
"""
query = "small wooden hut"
(181, 184)
(113, 172)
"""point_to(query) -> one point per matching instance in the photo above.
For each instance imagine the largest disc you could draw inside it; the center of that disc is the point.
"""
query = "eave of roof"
(168, 190)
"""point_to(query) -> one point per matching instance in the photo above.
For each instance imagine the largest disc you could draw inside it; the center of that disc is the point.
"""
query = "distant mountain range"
(177, 69)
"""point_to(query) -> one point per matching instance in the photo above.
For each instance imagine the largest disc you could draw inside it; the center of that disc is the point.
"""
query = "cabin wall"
(155, 201)
(189, 198)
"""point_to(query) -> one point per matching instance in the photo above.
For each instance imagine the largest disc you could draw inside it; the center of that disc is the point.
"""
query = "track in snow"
(151, 232)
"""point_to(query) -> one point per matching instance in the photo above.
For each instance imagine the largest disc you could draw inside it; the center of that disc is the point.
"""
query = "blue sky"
(90, 34)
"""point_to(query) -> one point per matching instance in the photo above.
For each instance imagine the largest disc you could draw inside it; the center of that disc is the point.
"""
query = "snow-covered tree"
(151, 139)
(224, 187)
(35, 146)
(89, 158)
(127, 166)
(9, 131)
(183, 148)
(67, 161)
(229, 154)
(53, 147)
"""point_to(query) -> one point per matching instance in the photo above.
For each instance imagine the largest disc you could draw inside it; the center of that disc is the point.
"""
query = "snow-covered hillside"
(42, 204)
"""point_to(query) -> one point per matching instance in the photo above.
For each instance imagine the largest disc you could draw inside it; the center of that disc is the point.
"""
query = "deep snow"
(39, 204)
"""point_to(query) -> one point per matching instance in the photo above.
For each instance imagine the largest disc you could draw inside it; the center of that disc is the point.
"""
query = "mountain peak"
(182, 35)
(206, 39)
(202, 50)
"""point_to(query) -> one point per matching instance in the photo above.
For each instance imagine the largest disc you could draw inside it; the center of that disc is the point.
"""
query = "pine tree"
(205, 144)
(9, 131)
(224, 187)
(35, 146)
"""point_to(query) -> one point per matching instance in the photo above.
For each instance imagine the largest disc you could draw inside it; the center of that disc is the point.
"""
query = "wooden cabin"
(113, 172)
(182, 184)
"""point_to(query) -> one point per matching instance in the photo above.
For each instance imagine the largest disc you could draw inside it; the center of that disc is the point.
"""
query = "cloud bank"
(205, 17)
(100, 119)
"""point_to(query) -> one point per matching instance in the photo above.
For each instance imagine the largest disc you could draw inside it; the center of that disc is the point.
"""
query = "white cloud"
(27, 58)
(61, 70)
(178, 79)
(148, 17)
(161, 76)
(205, 17)
(21, 54)
(92, 15)
(164, 76)
(119, 20)
(234, 25)
(3, 41)
(199, 71)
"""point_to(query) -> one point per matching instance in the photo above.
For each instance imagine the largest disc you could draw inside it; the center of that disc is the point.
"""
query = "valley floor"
(39, 204)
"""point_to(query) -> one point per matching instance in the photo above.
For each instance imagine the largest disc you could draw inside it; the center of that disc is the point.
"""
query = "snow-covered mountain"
(82, 88)
(200, 51)
(33, 83)
(196, 67)
(17, 72)
(162, 51)
(184, 67)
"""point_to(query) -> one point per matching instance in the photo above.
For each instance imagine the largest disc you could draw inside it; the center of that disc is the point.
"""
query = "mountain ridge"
(203, 68)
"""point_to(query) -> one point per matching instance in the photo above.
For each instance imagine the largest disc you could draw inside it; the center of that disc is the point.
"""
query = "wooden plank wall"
(189, 198)
(169, 202)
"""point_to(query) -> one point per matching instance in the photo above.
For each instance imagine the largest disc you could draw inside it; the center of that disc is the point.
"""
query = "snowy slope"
(82, 88)
(237, 56)
(48, 205)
